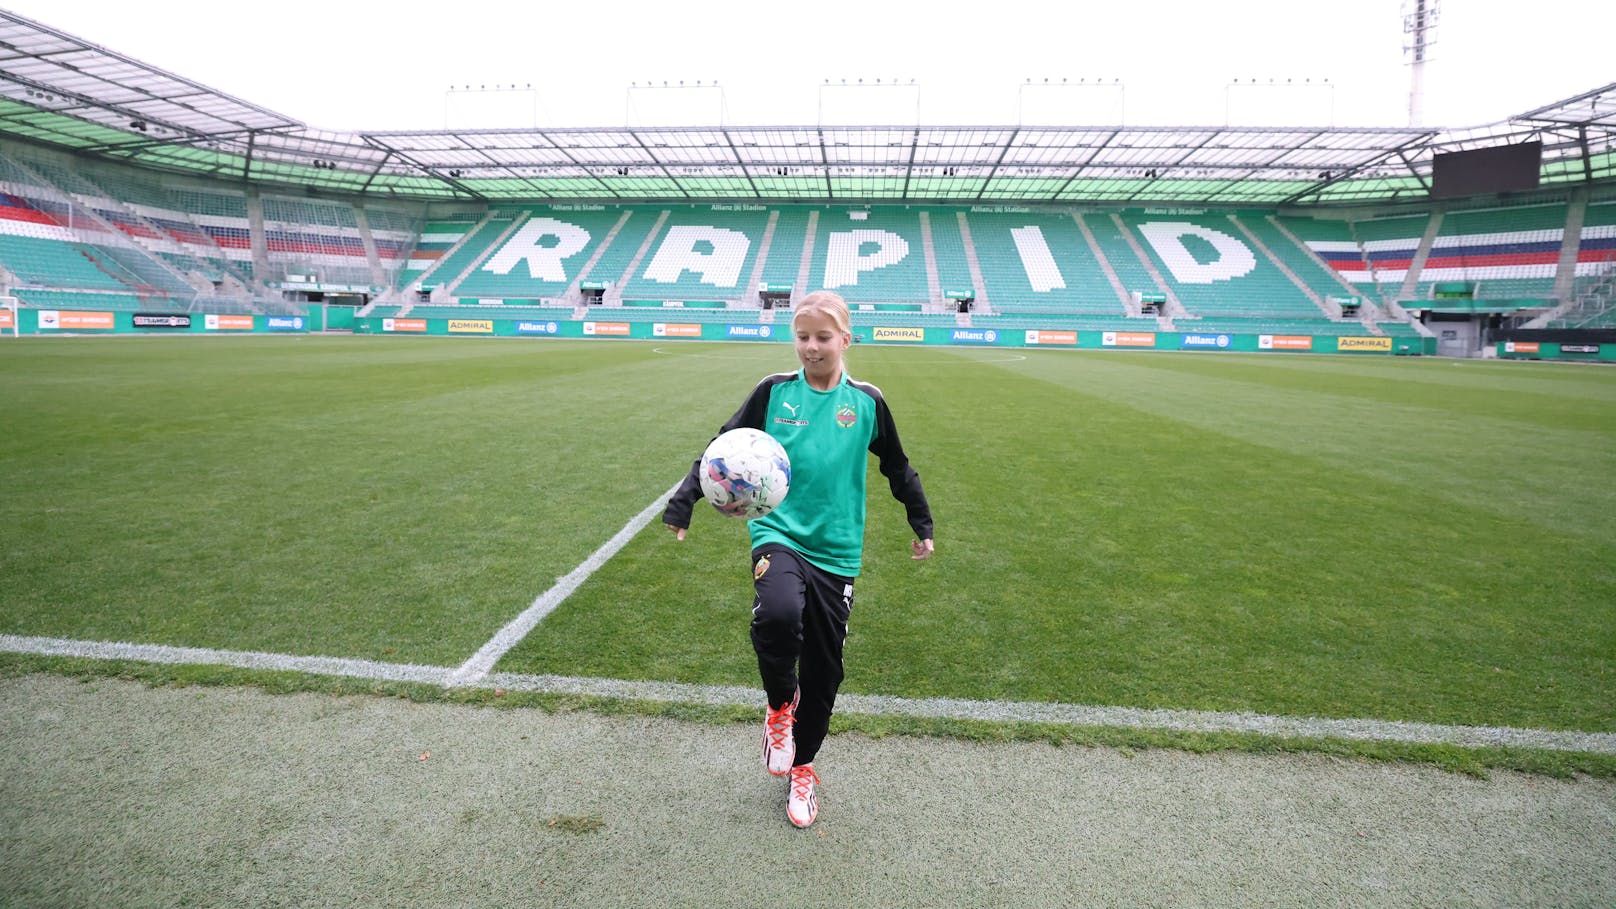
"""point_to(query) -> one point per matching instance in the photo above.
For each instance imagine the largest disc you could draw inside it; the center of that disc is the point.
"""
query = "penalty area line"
(881, 705)
(482, 662)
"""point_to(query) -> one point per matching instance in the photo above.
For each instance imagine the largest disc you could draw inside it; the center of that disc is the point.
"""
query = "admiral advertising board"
(1348, 343)
(892, 333)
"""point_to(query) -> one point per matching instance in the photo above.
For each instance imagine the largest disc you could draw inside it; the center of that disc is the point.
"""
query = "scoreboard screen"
(1500, 169)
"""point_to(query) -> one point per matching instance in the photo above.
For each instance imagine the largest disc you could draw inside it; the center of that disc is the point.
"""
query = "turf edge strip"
(935, 708)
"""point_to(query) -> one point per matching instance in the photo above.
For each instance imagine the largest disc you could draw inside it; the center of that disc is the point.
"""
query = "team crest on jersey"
(846, 416)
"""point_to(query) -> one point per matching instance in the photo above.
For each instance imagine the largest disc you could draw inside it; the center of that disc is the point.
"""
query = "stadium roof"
(62, 91)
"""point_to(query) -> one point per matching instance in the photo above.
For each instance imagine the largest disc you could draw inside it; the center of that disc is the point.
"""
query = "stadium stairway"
(254, 204)
(1343, 283)
(1174, 306)
(1128, 304)
(614, 288)
(805, 269)
(1411, 281)
(429, 248)
(1565, 275)
(979, 285)
(445, 291)
(1330, 310)
(934, 287)
(751, 298)
(1577, 304)
(378, 275)
(1372, 310)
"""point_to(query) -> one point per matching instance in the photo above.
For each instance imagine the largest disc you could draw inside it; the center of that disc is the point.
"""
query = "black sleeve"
(901, 476)
(752, 413)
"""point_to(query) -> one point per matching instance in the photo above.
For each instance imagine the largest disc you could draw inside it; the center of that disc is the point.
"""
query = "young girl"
(806, 553)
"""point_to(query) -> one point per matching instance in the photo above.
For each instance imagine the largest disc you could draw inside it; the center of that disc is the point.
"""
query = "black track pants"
(799, 623)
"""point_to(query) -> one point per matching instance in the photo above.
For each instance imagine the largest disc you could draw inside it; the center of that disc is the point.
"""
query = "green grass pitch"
(1422, 540)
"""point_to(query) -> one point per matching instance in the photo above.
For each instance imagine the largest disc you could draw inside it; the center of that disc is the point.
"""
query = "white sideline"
(473, 670)
(240, 659)
(937, 708)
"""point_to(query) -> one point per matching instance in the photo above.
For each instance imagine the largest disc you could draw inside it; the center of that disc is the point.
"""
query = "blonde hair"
(828, 304)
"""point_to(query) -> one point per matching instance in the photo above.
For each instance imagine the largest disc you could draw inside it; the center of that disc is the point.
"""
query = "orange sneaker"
(802, 804)
(779, 748)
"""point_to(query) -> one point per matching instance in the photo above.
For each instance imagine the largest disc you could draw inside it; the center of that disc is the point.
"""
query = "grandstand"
(228, 207)
(700, 255)
(1042, 263)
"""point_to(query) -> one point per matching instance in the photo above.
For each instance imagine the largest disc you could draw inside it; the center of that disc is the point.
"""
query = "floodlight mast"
(1419, 24)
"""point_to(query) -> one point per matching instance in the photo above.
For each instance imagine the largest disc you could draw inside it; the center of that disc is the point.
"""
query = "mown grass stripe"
(514, 631)
(930, 708)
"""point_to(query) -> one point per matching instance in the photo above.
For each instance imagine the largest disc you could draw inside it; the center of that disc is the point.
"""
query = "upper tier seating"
(39, 248)
(872, 255)
(612, 266)
(1507, 253)
(1214, 269)
(700, 253)
(1389, 245)
(784, 258)
(316, 238)
(434, 242)
(1318, 276)
(1040, 263)
(542, 257)
(1597, 252)
(948, 250)
(153, 221)
(1119, 252)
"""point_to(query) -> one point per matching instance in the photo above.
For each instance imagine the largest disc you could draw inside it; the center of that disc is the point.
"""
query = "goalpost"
(9, 305)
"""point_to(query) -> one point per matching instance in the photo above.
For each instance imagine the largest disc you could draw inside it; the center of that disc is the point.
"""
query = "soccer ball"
(745, 473)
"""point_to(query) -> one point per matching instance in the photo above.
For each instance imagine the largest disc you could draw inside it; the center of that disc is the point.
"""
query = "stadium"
(332, 571)
(132, 193)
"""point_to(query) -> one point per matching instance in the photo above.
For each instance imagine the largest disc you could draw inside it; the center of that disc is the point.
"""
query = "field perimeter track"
(936, 708)
(116, 793)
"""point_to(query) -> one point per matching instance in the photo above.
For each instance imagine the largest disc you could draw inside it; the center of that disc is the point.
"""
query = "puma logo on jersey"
(793, 408)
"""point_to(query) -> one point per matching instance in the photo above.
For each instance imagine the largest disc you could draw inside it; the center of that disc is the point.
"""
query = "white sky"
(352, 66)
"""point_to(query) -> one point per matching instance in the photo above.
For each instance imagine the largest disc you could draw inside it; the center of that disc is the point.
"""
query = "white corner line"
(482, 662)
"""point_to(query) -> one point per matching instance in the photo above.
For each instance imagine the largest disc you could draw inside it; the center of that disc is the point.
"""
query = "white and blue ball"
(745, 473)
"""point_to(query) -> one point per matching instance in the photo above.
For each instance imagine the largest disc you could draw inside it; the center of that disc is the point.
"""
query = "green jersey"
(829, 436)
